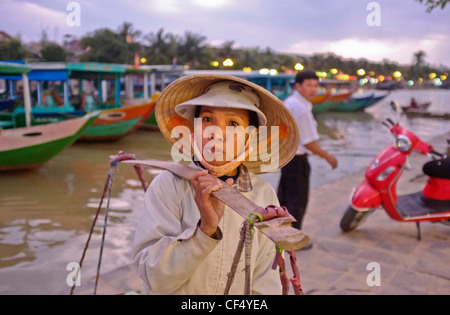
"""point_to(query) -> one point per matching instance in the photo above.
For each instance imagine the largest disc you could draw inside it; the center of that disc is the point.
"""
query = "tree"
(162, 47)
(53, 53)
(104, 45)
(128, 36)
(226, 50)
(432, 4)
(419, 58)
(250, 58)
(13, 50)
(191, 49)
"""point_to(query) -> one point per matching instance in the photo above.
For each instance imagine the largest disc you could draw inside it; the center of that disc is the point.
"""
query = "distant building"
(4, 37)
(73, 49)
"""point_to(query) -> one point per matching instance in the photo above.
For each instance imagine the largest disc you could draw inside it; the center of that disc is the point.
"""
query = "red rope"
(271, 212)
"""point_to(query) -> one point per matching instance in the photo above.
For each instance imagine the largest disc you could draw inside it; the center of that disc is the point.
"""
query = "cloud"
(29, 19)
(285, 26)
(166, 6)
(211, 4)
(400, 49)
(29, 9)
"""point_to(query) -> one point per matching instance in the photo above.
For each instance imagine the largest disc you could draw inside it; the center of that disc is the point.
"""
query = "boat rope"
(114, 160)
(113, 165)
(80, 264)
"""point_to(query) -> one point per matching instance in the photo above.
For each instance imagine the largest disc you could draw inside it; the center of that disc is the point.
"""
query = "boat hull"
(331, 102)
(28, 148)
(150, 123)
(358, 104)
(114, 124)
(324, 107)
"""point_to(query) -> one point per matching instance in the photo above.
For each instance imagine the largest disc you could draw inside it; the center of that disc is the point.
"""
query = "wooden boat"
(29, 147)
(421, 108)
(439, 115)
(139, 78)
(115, 120)
(150, 123)
(421, 112)
(116, 123)
(321, 98)
(332, 101)
(26, 146)
(358, 104)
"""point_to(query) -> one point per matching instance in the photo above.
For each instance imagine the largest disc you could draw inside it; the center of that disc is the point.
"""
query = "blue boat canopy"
(48, 75)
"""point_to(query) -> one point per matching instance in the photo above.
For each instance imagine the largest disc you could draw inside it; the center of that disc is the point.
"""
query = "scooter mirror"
(397, 109)
(394, 106)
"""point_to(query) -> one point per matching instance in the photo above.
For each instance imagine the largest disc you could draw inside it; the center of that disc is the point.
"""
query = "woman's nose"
(217, 134)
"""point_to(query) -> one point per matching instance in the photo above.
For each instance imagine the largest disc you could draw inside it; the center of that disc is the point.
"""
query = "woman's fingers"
(195, 177)
(202, 179)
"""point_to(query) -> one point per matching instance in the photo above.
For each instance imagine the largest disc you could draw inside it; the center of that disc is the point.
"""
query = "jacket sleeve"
(167, 249)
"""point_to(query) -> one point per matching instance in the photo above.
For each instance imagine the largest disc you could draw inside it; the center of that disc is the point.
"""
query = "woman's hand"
(211, 208)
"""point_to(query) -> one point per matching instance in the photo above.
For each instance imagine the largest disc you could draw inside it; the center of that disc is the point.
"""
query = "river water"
(46, 214)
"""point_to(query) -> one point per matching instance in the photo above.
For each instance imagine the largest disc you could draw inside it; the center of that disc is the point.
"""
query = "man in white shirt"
(293, 189)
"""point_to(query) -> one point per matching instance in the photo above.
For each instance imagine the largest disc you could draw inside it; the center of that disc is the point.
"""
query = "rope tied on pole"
(114, 160)
(246, 237)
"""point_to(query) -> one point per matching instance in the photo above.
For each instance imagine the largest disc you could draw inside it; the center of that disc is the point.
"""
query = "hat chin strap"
(221, 170)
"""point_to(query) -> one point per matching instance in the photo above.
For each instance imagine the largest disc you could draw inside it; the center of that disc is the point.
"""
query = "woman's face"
(216, 148)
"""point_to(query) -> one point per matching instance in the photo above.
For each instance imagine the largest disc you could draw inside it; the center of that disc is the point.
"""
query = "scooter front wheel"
(353, 218)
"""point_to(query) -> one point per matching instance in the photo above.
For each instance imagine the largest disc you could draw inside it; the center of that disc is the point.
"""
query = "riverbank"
(338, 262)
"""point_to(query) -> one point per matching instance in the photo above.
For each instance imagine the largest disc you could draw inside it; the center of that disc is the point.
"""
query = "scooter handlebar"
(438, 154)
(390, 121)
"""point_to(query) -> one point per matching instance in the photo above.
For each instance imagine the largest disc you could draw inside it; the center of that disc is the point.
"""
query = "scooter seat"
(438, 168)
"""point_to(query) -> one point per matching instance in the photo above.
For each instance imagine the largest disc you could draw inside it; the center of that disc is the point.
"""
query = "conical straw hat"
(281, 126)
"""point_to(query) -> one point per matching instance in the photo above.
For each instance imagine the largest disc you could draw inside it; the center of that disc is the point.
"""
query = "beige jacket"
(173, 256)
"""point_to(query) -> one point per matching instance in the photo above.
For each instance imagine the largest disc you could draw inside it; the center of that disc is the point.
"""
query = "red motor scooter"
(379, 187)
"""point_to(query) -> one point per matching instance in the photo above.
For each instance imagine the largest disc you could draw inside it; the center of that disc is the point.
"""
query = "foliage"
(432, 4)
(53, 53)
(13, 50)
(105, 45)
(192, 50)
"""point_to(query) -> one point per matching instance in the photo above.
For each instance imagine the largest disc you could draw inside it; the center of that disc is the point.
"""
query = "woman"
(186, 238)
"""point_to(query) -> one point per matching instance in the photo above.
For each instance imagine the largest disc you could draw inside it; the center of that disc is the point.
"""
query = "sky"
(375, 30)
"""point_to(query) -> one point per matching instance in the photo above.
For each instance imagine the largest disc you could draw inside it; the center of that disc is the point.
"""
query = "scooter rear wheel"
(353, 218)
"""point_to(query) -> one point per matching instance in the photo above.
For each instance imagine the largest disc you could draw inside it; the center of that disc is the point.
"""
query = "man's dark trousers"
(293, 189)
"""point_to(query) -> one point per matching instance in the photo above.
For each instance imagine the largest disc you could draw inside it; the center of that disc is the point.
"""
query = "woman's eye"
(207, 119)
(234, 123)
